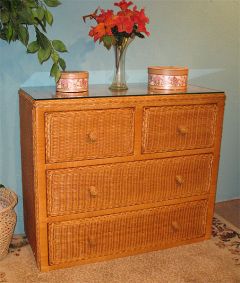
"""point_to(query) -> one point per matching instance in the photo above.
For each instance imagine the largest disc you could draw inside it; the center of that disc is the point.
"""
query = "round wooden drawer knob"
(175, 226)
(91, 137)
(179, 180)
(93, 191)
(182, 130)
(92, 241)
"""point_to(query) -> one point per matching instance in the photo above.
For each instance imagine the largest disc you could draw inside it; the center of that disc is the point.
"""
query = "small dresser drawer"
(89, 134)
(135, 231)
(170, 128)
(94, 188)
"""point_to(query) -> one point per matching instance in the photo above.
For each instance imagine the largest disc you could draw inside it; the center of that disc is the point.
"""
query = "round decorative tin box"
(73, 81)
(167, 77)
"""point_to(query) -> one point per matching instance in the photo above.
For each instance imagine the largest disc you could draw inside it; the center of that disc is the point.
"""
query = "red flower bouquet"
(112, 29)
(118, 30)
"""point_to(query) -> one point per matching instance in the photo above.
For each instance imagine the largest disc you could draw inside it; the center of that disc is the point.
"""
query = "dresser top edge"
(42, 93)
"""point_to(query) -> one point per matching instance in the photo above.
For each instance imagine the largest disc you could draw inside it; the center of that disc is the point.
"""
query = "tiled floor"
(230, 210)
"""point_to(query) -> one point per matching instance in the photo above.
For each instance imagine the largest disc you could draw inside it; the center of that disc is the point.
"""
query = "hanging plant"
(17, 16)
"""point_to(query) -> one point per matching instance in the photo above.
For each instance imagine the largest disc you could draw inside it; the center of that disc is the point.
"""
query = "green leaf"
(52, 3)
(3, 34)
(108, 41)
(42, 23)
(49, 17)
(15, 35)
(54, 69)
(57, 76)
(4, 16)
(44, 54)
(42, 40)
(25, 16)
(23, 35)
(34, 13)
(62, 64)
(9, 32)
(55, 56)
(59, 46)
(55, 72)
(140, 35)
(31, 3)
(40, 13)
(33, 47)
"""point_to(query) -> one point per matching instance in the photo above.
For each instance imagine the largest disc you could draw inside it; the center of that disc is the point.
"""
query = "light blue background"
(201, 34)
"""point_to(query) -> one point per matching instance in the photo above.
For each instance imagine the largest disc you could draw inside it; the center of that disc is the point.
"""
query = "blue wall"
(203, 35)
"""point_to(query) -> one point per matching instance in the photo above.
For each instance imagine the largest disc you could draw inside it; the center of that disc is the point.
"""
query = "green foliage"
(59, 45)
(17, 16)
(108, 41)
(52, 3)
(23, 34)
(44, 54)
(33, 47)
(62, 63)
(55, 72)
(49, 17)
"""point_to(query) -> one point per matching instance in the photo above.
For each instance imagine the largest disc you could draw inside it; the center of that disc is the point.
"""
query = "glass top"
(49, 92)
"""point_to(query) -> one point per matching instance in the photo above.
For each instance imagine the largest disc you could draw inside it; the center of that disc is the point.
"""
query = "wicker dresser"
(110, 175)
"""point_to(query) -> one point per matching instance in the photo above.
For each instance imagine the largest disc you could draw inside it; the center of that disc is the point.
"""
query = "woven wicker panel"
(124, 184)
(8, 200)
(178, 127)
(89, 134)
(125, 232)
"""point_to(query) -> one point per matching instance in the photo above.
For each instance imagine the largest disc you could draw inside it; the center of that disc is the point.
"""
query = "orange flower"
(111, 28)
(99, 31)
(105, 22)
(124, 24)
(123, 5)
(141, 20)
(104, 16)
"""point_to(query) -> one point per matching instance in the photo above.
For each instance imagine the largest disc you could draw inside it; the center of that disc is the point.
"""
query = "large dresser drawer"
(170, 128)
(89, 134)
(125, 232)
(100, 187)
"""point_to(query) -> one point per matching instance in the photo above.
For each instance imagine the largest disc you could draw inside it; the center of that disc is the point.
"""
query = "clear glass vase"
(119, 78)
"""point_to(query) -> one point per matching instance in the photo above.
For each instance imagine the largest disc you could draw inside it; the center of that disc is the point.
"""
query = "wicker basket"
(8, 200)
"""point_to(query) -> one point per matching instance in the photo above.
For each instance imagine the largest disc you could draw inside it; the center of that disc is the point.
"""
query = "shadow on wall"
(78, 53)
(12, 57)
(209, 78)
(12, 74)
(195, 74)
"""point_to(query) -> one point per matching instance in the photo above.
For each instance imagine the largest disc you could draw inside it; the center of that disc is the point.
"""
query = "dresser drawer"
(170, 128)
(89, 134)
(101, 187)
(125, 232)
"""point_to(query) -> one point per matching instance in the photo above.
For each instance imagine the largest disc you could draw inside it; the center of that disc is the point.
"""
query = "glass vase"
(119, 78)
